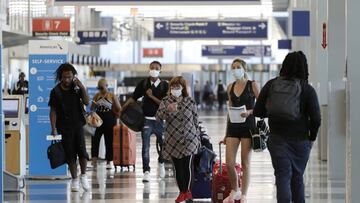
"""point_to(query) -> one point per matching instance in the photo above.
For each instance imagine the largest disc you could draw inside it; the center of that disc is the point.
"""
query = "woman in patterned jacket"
(182, 140)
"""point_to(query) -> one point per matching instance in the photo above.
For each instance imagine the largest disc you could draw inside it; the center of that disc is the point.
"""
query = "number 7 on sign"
(57, 24)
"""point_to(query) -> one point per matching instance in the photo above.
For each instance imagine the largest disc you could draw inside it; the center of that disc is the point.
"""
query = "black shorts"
(239, 130)
(74, 143)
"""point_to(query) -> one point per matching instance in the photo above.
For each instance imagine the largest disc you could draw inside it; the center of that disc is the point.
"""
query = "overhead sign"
(211, 29)
(46, 27)
(284, 44)
(92, 36)
(301, 23)
(233, 51)
(153, 52)
(71, 2)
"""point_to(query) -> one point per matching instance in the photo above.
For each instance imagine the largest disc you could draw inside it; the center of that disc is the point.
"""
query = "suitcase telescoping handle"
(220, 143)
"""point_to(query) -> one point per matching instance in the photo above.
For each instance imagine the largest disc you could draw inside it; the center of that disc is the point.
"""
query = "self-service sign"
(92, 36)
(153, 52)
(201, 29)
(45, 27)
(45, 56)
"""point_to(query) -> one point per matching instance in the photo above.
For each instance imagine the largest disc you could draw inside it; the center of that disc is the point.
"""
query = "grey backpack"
(284, 99)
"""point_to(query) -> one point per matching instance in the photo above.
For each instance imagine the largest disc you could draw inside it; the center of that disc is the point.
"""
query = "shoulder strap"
(232, 87)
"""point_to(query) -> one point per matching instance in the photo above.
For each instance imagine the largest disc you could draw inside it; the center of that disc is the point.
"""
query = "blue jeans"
(151, 127)
(289, 157)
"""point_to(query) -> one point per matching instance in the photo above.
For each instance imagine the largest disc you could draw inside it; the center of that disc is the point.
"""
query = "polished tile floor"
(127, 186)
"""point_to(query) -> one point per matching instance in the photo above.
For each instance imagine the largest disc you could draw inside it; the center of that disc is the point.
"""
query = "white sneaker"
(146, 177)
(243, 199)
(75, 185)
(162, 170)
(234, 195)
(84, 182)
(110, 165)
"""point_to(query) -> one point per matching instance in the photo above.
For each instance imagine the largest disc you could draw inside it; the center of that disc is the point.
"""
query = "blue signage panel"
(211, 29)
(93, 36)
(228, 50)
(284, 44)
(301, 23)
(42, 80)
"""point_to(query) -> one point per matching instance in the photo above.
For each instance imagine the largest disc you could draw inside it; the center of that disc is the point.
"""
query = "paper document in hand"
(235, 114)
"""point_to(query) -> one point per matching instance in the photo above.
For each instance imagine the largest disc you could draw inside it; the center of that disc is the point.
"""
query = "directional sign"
(211, 29)
(233, 51)
(44, 27)
(92, 36)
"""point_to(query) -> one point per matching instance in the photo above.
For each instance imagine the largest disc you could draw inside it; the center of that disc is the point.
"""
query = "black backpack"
(284, 98)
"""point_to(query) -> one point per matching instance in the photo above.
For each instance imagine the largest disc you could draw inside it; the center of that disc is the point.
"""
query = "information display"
(11, 108)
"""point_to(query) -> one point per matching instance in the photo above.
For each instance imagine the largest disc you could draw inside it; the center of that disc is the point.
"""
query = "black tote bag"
(56, 154)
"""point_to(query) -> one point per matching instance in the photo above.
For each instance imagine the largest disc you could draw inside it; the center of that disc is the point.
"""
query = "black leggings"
(105, 129)
(184, 171)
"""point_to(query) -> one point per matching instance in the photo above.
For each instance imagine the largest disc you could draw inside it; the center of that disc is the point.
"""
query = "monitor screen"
(26, 105)
(11, 108)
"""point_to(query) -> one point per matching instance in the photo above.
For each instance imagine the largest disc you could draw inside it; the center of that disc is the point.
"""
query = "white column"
(353, 109)
(336, 96)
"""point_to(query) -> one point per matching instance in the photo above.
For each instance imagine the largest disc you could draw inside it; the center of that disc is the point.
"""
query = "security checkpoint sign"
(200, 29)
(92, 36)
(231, 51)
(48, 27)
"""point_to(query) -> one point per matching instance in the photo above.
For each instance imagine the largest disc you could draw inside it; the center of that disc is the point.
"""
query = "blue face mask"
(238, 73)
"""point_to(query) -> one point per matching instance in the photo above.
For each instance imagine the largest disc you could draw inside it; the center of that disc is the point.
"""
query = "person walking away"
(197, 92)
(179, 111)
(103, 103)
(153, 90)
(22, 86)
(67, 100)
(221, 94)
(294, 121)
(241, 92)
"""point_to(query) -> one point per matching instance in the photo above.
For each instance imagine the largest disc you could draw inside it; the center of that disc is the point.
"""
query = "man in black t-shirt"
(67, 100)
(153, 90)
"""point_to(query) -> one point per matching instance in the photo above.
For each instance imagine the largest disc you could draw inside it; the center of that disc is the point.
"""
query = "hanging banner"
(45, 56)
(200, 29)
(47, 27)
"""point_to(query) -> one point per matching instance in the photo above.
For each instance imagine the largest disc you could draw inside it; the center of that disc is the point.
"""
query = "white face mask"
(176, 93)
(154, 73)
(238, 73)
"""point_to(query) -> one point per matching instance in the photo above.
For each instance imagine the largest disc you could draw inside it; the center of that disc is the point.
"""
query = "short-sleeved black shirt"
(150, 107)
(67, 106)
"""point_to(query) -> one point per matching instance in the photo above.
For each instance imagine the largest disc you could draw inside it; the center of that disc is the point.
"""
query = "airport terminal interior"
(131, 42)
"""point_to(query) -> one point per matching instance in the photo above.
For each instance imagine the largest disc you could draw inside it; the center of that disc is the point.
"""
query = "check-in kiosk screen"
(11, 108)
(27, 105)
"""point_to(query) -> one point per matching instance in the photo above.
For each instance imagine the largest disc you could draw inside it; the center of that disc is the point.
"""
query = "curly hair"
(295, 66)
(64, 68)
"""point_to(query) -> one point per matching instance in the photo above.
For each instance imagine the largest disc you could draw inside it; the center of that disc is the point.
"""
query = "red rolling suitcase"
(124, 146)
(221, 187)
